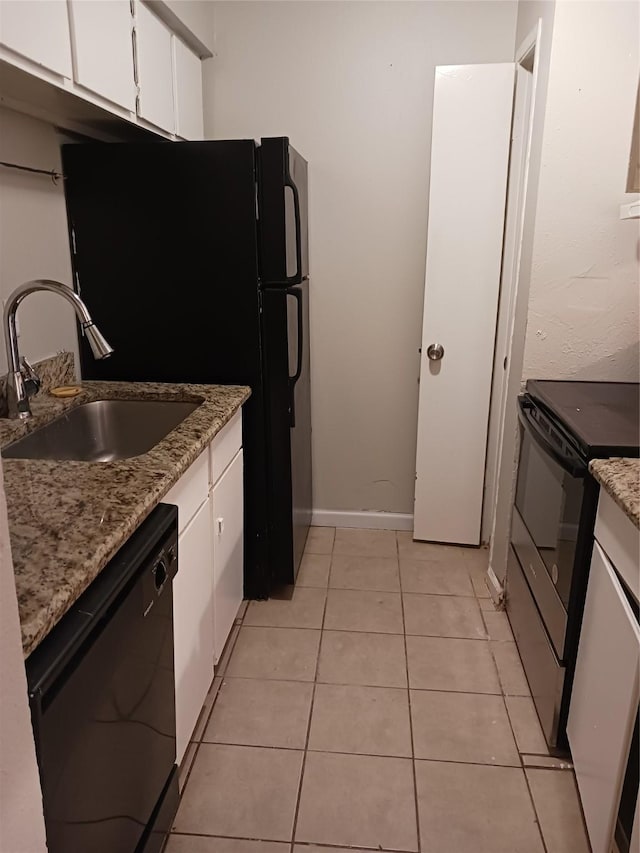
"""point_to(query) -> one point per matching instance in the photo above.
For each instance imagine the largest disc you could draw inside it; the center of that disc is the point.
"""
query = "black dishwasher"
(102, 695)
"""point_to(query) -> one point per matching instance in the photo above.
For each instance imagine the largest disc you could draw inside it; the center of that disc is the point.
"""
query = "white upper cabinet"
(101, 34)
(38, 30)
(188, 92)
(154, 56)
(116, 54)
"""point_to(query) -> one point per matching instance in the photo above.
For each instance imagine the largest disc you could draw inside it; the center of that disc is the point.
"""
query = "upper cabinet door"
(188, 92)
(101, 33)
(154, 57)
(39, 31)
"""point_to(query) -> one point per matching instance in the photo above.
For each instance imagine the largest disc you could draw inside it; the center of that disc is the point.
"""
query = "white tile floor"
(381, 706)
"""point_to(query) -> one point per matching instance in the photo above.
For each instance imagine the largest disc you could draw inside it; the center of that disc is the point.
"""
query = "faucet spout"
(17, 394)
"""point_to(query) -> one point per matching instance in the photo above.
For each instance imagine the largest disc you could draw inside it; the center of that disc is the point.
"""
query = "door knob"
(435, 352)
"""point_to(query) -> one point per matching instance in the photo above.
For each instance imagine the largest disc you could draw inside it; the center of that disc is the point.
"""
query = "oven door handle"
(568, 463)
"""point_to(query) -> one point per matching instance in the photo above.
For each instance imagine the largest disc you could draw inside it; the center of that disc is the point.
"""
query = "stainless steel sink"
(102, 431)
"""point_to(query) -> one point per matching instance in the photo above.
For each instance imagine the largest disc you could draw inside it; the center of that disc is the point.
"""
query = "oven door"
(549, 503)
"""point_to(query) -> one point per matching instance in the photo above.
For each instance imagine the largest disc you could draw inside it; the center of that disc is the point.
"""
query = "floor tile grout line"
(198, 743)
(413, 751)
(389, 754)
(535, 812)
(381, 686)
(377, 633)
(304, 844)
(296, 813)
(522, 767)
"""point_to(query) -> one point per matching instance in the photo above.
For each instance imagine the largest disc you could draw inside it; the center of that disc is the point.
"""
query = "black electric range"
(564, 425)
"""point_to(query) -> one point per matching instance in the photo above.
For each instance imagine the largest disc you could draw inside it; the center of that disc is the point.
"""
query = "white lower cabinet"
(193, 623)
(228, 551)
(207, 590)
(604, 700)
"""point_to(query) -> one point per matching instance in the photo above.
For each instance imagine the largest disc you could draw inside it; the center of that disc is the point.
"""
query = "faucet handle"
(31, 379)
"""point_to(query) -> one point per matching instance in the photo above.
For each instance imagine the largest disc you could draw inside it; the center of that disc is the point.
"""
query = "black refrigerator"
(193, 259)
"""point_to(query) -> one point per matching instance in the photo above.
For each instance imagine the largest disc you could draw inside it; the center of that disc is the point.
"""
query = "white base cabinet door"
(604, 699)
(228, 552)
(193, 623)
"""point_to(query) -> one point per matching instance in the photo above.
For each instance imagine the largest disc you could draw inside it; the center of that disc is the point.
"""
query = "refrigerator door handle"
(297, 295)
(288, 182)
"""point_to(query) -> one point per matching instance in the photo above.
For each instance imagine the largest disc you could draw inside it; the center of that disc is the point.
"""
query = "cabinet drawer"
(225, 446)
(544, 672)
(191, 490)
(539, 580)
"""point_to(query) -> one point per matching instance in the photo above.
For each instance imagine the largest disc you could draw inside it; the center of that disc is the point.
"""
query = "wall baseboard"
(365, 519)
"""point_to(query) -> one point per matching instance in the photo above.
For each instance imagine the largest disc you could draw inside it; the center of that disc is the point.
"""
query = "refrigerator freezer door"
(286, 336)
(282, 205)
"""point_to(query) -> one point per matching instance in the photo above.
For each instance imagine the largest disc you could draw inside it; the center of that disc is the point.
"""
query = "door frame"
(502, 439)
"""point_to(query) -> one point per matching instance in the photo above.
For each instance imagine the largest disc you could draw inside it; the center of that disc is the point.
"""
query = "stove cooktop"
(604, 417)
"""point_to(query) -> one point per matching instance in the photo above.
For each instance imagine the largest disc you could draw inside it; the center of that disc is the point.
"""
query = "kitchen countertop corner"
(620, 478)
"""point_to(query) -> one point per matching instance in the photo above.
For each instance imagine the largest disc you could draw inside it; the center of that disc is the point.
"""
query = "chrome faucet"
(22, 380)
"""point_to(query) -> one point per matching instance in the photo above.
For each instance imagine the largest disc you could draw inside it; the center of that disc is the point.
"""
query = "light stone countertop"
(67, 519)
(621, 479)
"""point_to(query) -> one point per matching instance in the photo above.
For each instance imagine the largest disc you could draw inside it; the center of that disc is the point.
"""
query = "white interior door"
(472, 109)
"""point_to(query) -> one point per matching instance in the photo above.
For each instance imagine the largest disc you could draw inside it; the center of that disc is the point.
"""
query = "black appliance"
(563, 426)
(102, 696)
(194, 257)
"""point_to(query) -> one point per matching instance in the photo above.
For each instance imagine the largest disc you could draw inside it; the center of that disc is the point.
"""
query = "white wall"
(195, 15)
(583, 306)
(33, 236)
(351, 84)
(579, 261)
(21, 820)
